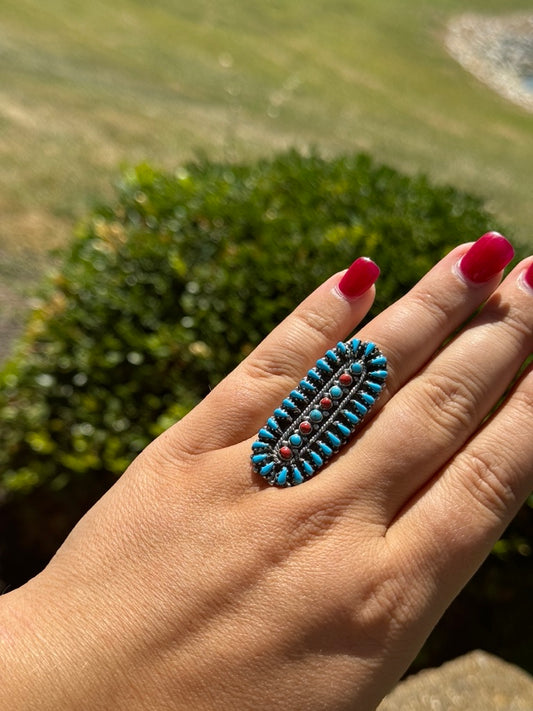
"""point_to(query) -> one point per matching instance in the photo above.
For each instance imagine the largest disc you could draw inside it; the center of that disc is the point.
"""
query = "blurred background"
(89, 90)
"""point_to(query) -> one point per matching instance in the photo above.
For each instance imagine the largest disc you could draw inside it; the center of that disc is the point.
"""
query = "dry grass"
(87, 86)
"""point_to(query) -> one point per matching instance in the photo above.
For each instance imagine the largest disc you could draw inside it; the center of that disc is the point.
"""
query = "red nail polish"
(486, 258)
(359, 278)
(528, 276)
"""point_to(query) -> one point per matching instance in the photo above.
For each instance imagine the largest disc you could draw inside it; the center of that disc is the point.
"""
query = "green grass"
(87, 86)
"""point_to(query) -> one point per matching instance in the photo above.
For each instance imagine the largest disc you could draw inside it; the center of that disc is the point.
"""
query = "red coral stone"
(345, 379)
(305, 427)
(285, 452)
(325, 403)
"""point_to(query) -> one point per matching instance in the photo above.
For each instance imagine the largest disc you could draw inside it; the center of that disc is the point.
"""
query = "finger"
(450, 527)
(241, 403)
(435, 413)
(409, 332)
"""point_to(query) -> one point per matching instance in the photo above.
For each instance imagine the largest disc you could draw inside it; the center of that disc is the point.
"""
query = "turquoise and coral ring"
(320, 415)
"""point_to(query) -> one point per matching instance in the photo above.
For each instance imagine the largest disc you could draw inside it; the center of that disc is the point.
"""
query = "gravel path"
(498, 51)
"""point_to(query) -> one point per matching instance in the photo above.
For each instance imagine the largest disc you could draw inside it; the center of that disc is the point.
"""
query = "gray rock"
(476, 682)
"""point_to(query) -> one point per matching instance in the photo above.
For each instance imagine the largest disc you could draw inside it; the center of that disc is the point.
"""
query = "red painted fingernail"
(527, 276)
(486, 258)
(359, 278)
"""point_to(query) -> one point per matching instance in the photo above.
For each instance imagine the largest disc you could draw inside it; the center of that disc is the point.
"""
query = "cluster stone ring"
(319, 416)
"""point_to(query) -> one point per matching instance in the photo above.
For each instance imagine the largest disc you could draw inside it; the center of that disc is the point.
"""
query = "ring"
(320, 415)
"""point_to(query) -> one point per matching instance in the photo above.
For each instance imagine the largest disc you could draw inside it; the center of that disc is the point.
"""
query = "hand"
(193, 585)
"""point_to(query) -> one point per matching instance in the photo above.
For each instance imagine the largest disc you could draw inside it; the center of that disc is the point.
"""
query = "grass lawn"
(87, 86)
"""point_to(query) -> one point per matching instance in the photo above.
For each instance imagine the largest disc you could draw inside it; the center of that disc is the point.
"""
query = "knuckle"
(486, 478)
(450, 402)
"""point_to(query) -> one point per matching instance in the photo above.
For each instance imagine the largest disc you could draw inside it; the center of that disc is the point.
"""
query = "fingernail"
(527, 277)
(486, 258)
(359, 278)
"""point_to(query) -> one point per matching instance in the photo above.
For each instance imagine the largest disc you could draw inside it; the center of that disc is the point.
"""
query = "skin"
(193, 585)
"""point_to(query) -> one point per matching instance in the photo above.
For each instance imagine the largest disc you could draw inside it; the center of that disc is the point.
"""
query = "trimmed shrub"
(166, 290)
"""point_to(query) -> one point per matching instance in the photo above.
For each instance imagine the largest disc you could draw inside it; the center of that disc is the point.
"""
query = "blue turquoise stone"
(313, 375)
(325, 449)
(379, 361)
(380, 374)
(321, 363)
(335, 441)
(336, 392)
(259, 445)
(316, 459)
(257, 458)
(295, 440)
(332, 356)
(343, 429)
(355, 343)
(308, 469)
(271, 422)
(280, 413)
(289, 404)
(265, 471)
(281, 478)
(375, 387)
(266, 434)
(369, 348)
(307, 386)
(315, 416)
(297, 477)
(350, 417)
(297, 395)
(359, 407)
(341, 347)
(367, 398)
(356, 368)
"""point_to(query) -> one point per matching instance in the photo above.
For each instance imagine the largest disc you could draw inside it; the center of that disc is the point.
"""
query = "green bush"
(166, 290)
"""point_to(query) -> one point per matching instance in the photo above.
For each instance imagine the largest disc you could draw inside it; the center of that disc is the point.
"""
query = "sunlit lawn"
(87, 86)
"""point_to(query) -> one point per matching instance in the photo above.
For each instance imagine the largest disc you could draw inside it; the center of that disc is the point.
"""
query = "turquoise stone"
(298, 478)
(264, 471)
(266, 434)
(308, 469)
(332, 356)
(307, 386)
(325, 449)
(323, 365)
(379, 374)
(289, 404)
(281, 478)
(369, 348)
(259, 445)
(335, 441)
(341, 347)
(375, 387)
(343, 429)
(356, 368)
(258, 458)
(316, 459)
(297, 395)
(359, 407)
(313, 375)
(315, 416)
(271, 422)
(295, 440)
(350, 417)
(367, 398)
(280, 413)
(380, 361)
(336, 392)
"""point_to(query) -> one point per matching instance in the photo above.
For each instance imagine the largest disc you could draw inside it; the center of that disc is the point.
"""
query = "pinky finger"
(461, 513)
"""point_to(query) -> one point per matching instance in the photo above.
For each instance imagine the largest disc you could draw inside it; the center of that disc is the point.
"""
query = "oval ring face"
(319, 416)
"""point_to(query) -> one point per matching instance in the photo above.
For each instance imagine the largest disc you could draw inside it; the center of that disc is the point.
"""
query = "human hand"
(194, 585)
